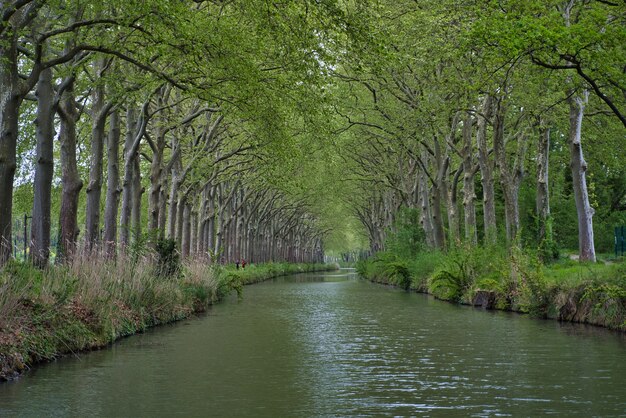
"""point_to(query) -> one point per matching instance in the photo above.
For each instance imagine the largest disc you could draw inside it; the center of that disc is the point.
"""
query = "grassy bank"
(496, 278)
(258, 272)
(88, 305)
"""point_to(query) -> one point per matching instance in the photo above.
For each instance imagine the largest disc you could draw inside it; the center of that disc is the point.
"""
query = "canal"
(329, 344)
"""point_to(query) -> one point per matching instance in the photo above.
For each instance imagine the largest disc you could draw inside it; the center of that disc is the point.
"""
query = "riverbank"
(89, 305)
(494, 278)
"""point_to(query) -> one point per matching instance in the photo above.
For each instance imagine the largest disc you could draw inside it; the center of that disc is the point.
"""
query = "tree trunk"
(156, 177)
(173, 210)
(186, 229)
(486, 173)
(137, 192)
(71, 183)
(269, 242)
(94, 187)
(180, 219)
(155, 191)
(452, 188)
(113, 185)
(454, 232)
(249, 240)
(510, 178)
(234, 231)
(10, 101)
(543, 196)
(44, 171)
(193, 234)
(219, 227)
(426, 217)
(260, 250)
(469, 193)
(127, 186)
(173, 198)
(438, 195)
(202, 222)
(210, 245)
(163, 208)
(578, 165)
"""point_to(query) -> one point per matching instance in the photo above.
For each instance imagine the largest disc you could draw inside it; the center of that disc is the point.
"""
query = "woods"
(281, 130)
(152, 121)
(466, 112)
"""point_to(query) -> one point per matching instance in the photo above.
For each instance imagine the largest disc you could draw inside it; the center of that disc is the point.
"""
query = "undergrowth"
(94, 301)
(511, 279)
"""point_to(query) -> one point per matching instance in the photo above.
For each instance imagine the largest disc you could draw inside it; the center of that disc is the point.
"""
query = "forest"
(294, 130)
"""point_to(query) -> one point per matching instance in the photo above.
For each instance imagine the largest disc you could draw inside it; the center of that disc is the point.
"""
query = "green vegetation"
(444, 137)
(86, 305)
(257, 273)
(497, 278)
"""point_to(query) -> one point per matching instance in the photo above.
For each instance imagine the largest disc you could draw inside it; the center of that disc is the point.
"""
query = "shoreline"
(567, 305)
(50, 326)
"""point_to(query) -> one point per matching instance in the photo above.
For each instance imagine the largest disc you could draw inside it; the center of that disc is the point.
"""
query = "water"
(331, 345)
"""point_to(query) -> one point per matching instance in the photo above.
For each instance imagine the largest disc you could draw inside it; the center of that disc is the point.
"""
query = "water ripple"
(332, 346)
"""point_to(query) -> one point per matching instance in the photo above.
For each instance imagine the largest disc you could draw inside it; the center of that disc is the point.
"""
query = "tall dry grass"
(94, 300)
(116, 297)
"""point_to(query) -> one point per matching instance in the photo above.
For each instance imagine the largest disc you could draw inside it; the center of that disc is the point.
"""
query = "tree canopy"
(285, 129)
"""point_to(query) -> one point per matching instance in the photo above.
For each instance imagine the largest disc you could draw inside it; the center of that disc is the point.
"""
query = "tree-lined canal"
(328, 344)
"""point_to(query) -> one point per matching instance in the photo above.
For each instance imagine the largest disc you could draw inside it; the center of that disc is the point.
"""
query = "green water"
(331, 345)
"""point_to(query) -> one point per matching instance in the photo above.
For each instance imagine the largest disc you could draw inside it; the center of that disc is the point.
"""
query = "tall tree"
(113, 185)
(40, 229)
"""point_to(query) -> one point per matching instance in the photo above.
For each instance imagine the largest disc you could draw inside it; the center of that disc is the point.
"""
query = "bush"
(408, 273)
(362, 268)
(227, 282)
(168, 258)
(398, 272)
(447, 285)
(528, 286)
(548, 251)
(463, 271)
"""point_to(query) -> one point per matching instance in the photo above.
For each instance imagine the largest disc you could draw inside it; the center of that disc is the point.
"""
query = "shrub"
(362, 268)
(607, 300)
(548, 250)
(458, 275)
(447, 285)
(398, 272)
(227, 282)
(168, 258)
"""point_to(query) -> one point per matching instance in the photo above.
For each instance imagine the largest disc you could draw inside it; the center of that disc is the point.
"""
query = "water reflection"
(330, 345)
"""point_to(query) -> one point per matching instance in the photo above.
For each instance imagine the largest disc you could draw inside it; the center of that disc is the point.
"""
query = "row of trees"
(158, 119)
(263, 129)
(456, 103)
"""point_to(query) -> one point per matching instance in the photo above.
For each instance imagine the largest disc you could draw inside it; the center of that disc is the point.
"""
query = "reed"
(90, 303)
(95, 300)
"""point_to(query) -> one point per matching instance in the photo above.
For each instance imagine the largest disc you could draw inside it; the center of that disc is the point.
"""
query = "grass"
(258, 272)
(91, 303)
(516, 280)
